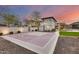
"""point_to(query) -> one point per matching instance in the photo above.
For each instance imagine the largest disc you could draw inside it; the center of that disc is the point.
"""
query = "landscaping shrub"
(1, 34)
(36, 30)
(10, 32)
(53, 30)
(18, 31)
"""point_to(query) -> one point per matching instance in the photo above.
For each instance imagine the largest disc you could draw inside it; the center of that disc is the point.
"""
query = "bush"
(1, 34)
(18, 31)
(32, 30)
(36, 30)
(53, 30)
(10, 32)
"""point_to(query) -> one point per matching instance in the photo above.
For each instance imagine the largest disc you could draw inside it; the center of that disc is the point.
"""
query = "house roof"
(41, 19)
(75, 23)
(49, 18)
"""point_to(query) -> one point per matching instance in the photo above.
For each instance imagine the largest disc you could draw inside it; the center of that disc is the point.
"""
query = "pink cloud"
(68, 13)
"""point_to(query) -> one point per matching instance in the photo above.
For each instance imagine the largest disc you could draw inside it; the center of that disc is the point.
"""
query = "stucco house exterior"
(48, 24)
(74, 25)
(43, 24)
(33, 25)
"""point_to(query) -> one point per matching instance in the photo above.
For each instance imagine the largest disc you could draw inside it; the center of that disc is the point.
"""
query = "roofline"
(48, 18)
(74, 23)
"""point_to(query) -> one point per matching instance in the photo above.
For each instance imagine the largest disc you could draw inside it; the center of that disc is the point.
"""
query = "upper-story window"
(49, 21)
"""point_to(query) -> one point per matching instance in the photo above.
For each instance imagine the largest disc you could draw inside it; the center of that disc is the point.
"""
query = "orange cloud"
(70, 17)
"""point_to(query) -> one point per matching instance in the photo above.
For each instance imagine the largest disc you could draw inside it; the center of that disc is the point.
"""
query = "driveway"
(39, 42)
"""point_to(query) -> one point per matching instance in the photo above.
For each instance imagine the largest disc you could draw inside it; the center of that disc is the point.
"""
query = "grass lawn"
(69, 33)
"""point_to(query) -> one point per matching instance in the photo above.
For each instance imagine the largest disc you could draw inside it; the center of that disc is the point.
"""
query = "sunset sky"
(64, 13)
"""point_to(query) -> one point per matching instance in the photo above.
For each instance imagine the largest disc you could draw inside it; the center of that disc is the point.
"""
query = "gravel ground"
(67, 45)
(7, 47)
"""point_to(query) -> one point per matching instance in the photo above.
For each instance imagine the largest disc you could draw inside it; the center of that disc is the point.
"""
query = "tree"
(7, 15)
(35, 15)
(63, 26)
(17, 23)
(35, 19)
(9, 19)
(25, 21)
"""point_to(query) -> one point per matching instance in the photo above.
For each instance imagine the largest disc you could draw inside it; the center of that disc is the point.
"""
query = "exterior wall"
(74, 25)
(6, 30)
(33, 28)
(33, 25)
(41, 28)
(47, 25)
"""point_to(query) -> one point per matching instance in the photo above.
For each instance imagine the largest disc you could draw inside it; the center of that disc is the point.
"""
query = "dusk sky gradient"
(64, 13)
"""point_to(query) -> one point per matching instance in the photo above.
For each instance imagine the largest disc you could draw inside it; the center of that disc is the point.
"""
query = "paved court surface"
(40, 42)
